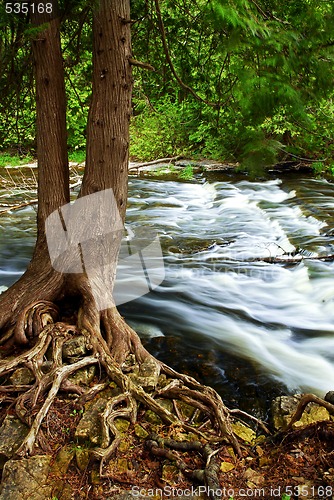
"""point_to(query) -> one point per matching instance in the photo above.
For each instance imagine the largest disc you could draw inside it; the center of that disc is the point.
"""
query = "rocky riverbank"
(274, 464)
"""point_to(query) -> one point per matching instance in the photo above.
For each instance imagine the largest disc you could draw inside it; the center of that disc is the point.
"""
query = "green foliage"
(158, 133)
(187, 173)
(7, 160)
(318, 167)
(77, 155)
(265, 68)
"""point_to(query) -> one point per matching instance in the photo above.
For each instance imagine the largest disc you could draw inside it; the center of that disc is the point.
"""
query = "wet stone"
(330, 397)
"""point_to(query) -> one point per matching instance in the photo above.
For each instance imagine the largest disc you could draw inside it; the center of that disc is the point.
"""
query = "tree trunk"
(107, 151)
(41, 281)
(110, 111)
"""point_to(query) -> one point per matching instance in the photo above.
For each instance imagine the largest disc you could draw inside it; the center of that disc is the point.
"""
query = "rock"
(121, 425)
(124, 445)
(330, 397)
(147, 375)
(12, 433)
(152, 417)
(311, 415)
(244, 432)
(26, 479)
(89, 427)
(74, 348)
(63, 460)
(119, 466)
(284, 407)
(82, 457)
(22, 376)
(166, 403)
(140, 432)
(95, 477)
(62, 491)
(84, 376)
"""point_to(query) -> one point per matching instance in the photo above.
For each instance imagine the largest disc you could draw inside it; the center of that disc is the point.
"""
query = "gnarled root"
(305, 400)
(143, 382)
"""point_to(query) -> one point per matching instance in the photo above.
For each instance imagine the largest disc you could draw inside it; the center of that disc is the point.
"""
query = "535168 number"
(26, 7)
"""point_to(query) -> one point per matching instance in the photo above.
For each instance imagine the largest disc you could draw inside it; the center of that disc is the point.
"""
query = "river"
(251, 328)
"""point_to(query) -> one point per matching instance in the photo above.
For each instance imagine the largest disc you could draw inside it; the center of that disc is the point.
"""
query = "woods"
(242, 81)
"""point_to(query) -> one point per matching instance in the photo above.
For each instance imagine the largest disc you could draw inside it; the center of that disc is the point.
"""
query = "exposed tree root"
(209, 475)
(143, 382)
(305, 400)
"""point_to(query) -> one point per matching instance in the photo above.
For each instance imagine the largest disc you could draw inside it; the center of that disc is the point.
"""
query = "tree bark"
(108, 121)
(41, 281)
(53, 169)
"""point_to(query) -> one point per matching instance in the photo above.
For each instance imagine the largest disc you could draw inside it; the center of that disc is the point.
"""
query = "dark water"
(252, 329)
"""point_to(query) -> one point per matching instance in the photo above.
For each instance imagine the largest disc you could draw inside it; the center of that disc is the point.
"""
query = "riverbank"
(282, 465)
(174, 165)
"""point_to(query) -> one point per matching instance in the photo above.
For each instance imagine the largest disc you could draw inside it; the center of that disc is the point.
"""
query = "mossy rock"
(244, 433)
(152, 417)
(63, 460)
(140, 432)
(82, 456)
(122, 425)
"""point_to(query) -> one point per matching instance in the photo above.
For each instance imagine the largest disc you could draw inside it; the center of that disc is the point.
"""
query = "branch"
(154, 162)
(171, 65)
(140, 64)
(17, 207)
(268, 15)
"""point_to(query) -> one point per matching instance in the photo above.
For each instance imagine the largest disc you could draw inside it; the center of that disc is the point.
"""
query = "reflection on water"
(234, 321)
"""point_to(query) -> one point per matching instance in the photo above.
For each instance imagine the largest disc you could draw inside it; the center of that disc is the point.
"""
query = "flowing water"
(250, 327)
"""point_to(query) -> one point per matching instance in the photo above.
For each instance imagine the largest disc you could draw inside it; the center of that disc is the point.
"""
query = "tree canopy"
(240, 80)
